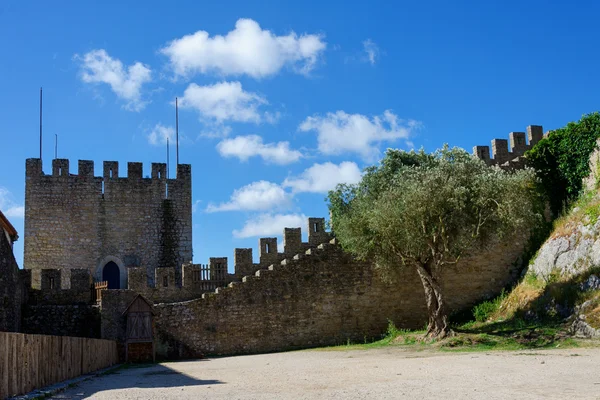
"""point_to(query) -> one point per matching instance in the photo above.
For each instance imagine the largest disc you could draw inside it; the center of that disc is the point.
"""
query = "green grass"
(484, 310)
(393, 337)
(585, 210)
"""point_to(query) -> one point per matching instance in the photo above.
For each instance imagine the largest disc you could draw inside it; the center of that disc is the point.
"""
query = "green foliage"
(584, 211)
(392, 331)
(397, 336)
(484, 310)
(531, 279)
(562, 160)
(593, 212)
(417, 207)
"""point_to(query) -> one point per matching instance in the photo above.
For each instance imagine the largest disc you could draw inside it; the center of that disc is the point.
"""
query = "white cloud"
(340, 132)
(98, 67)
(320, 178)
(269, 225)
(248, 49)
(372, 51)
(195, 205)
(223, 101)
(159, 135)
(8, 206)
(244, 147)
(257, 196)
(215, 131)
(15, 212)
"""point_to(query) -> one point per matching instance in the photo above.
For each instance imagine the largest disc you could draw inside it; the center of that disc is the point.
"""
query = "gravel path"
(389, 373)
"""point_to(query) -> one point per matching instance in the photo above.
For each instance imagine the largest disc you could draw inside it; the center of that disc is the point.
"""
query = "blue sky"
(280, 101)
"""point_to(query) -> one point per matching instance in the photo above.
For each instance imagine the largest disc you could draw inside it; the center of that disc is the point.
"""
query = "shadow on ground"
(145, 376)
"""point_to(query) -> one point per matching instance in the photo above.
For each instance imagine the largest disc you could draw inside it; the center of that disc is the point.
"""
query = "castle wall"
(83, 221)
(56, 286)
(509, 153)
(11, 288)
(319, 297)
(196, 280)
(268, 248)
(79, 320)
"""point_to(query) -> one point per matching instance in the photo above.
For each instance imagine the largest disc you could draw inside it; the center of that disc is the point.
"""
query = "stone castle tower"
(107, 224)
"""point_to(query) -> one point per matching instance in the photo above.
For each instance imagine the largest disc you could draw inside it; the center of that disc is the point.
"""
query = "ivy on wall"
(169, 238)
(562, 160)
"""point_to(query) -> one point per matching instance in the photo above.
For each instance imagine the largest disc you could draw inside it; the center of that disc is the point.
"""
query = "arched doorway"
(112, 275)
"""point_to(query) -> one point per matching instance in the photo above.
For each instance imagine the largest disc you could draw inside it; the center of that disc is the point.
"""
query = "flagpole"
(177, 128)
(40, 124)
(167, 158)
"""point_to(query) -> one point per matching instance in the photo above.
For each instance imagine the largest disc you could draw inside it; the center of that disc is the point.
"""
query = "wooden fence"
(98, 288)
(29, 362)
(206, 279)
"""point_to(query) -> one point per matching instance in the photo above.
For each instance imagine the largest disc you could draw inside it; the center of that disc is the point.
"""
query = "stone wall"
(197, 279)
(79, 320)
(11, 288)
(113, 323)
(318, 298)
(114, 303)
(83, 221)
(55, 286)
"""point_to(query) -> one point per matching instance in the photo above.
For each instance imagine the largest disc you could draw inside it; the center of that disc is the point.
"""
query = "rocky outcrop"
(569, 254)
(580, 326)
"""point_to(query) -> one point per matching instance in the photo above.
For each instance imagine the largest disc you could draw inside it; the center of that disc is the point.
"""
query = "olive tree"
(426, 211)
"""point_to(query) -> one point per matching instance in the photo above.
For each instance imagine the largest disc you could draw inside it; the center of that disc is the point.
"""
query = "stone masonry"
(12, 291)
(319, 296)
(84, 221)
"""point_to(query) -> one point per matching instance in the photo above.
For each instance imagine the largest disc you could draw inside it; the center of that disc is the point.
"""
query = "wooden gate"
(139, 338)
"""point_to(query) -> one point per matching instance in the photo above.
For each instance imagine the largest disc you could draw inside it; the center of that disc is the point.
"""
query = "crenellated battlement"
(58, 286)
(162, 283)
(510, 157)
(85, 171)
(268, 250)
(196, 279)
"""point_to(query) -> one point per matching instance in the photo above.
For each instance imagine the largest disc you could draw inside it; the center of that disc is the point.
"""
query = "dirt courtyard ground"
(387, 373)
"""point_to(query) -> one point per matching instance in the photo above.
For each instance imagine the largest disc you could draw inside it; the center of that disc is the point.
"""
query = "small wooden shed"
(139, 337)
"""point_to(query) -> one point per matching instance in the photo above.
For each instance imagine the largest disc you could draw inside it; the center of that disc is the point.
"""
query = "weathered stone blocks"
(78, 221)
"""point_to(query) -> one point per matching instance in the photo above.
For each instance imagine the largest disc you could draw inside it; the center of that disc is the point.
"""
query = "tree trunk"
(436, 306)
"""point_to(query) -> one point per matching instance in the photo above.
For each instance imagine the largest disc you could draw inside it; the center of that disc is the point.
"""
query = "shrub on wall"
(561, 160)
